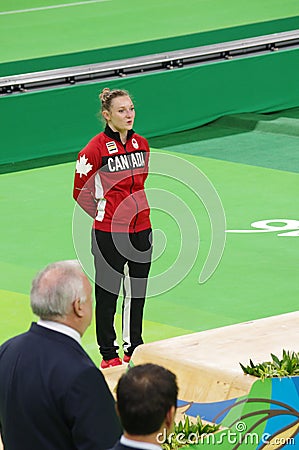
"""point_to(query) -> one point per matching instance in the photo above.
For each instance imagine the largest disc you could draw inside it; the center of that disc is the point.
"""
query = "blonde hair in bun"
(106, 96)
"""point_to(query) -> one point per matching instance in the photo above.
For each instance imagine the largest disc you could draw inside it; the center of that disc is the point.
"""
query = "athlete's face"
(121, 115)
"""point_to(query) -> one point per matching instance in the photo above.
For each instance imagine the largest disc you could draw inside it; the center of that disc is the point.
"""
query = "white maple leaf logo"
(83, 166)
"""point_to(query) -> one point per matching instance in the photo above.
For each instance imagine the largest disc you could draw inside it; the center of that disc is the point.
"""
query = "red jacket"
(109, 182)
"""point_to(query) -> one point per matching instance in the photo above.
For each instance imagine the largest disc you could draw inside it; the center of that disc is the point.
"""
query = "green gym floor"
(252, 160)
(34, 31)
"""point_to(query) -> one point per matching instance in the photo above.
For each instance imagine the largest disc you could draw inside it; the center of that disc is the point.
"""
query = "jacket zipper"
(131, 191)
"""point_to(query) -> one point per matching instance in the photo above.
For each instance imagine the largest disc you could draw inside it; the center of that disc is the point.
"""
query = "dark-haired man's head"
(146, 401)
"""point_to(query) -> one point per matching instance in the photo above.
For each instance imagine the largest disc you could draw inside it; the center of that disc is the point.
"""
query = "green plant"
(287, 366)
(186, 432)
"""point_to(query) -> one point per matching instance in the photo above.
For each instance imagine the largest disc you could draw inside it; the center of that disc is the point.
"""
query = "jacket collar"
(61, 328)
(54, 334)
(115, 134)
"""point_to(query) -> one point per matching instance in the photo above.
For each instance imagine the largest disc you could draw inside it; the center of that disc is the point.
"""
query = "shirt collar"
(61, 328)
(115, 134)
(138, 444)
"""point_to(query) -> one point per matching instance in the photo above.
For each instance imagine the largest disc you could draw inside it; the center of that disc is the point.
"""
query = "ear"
(169, 418)
(106, 115)
(77, 307)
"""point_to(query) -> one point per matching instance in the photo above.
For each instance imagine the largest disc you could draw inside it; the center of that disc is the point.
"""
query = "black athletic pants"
(114, 254)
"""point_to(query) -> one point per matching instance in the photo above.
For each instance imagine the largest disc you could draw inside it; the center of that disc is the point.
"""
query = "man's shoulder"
(15, 340)
(62, 347)
(54, 348)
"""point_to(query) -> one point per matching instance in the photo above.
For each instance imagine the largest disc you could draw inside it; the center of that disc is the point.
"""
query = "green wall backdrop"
(59, 121)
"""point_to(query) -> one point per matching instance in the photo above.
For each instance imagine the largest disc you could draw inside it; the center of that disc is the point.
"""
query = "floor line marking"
(43, 8)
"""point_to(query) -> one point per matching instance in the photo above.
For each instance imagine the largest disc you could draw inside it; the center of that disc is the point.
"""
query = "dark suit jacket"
(52, 396)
